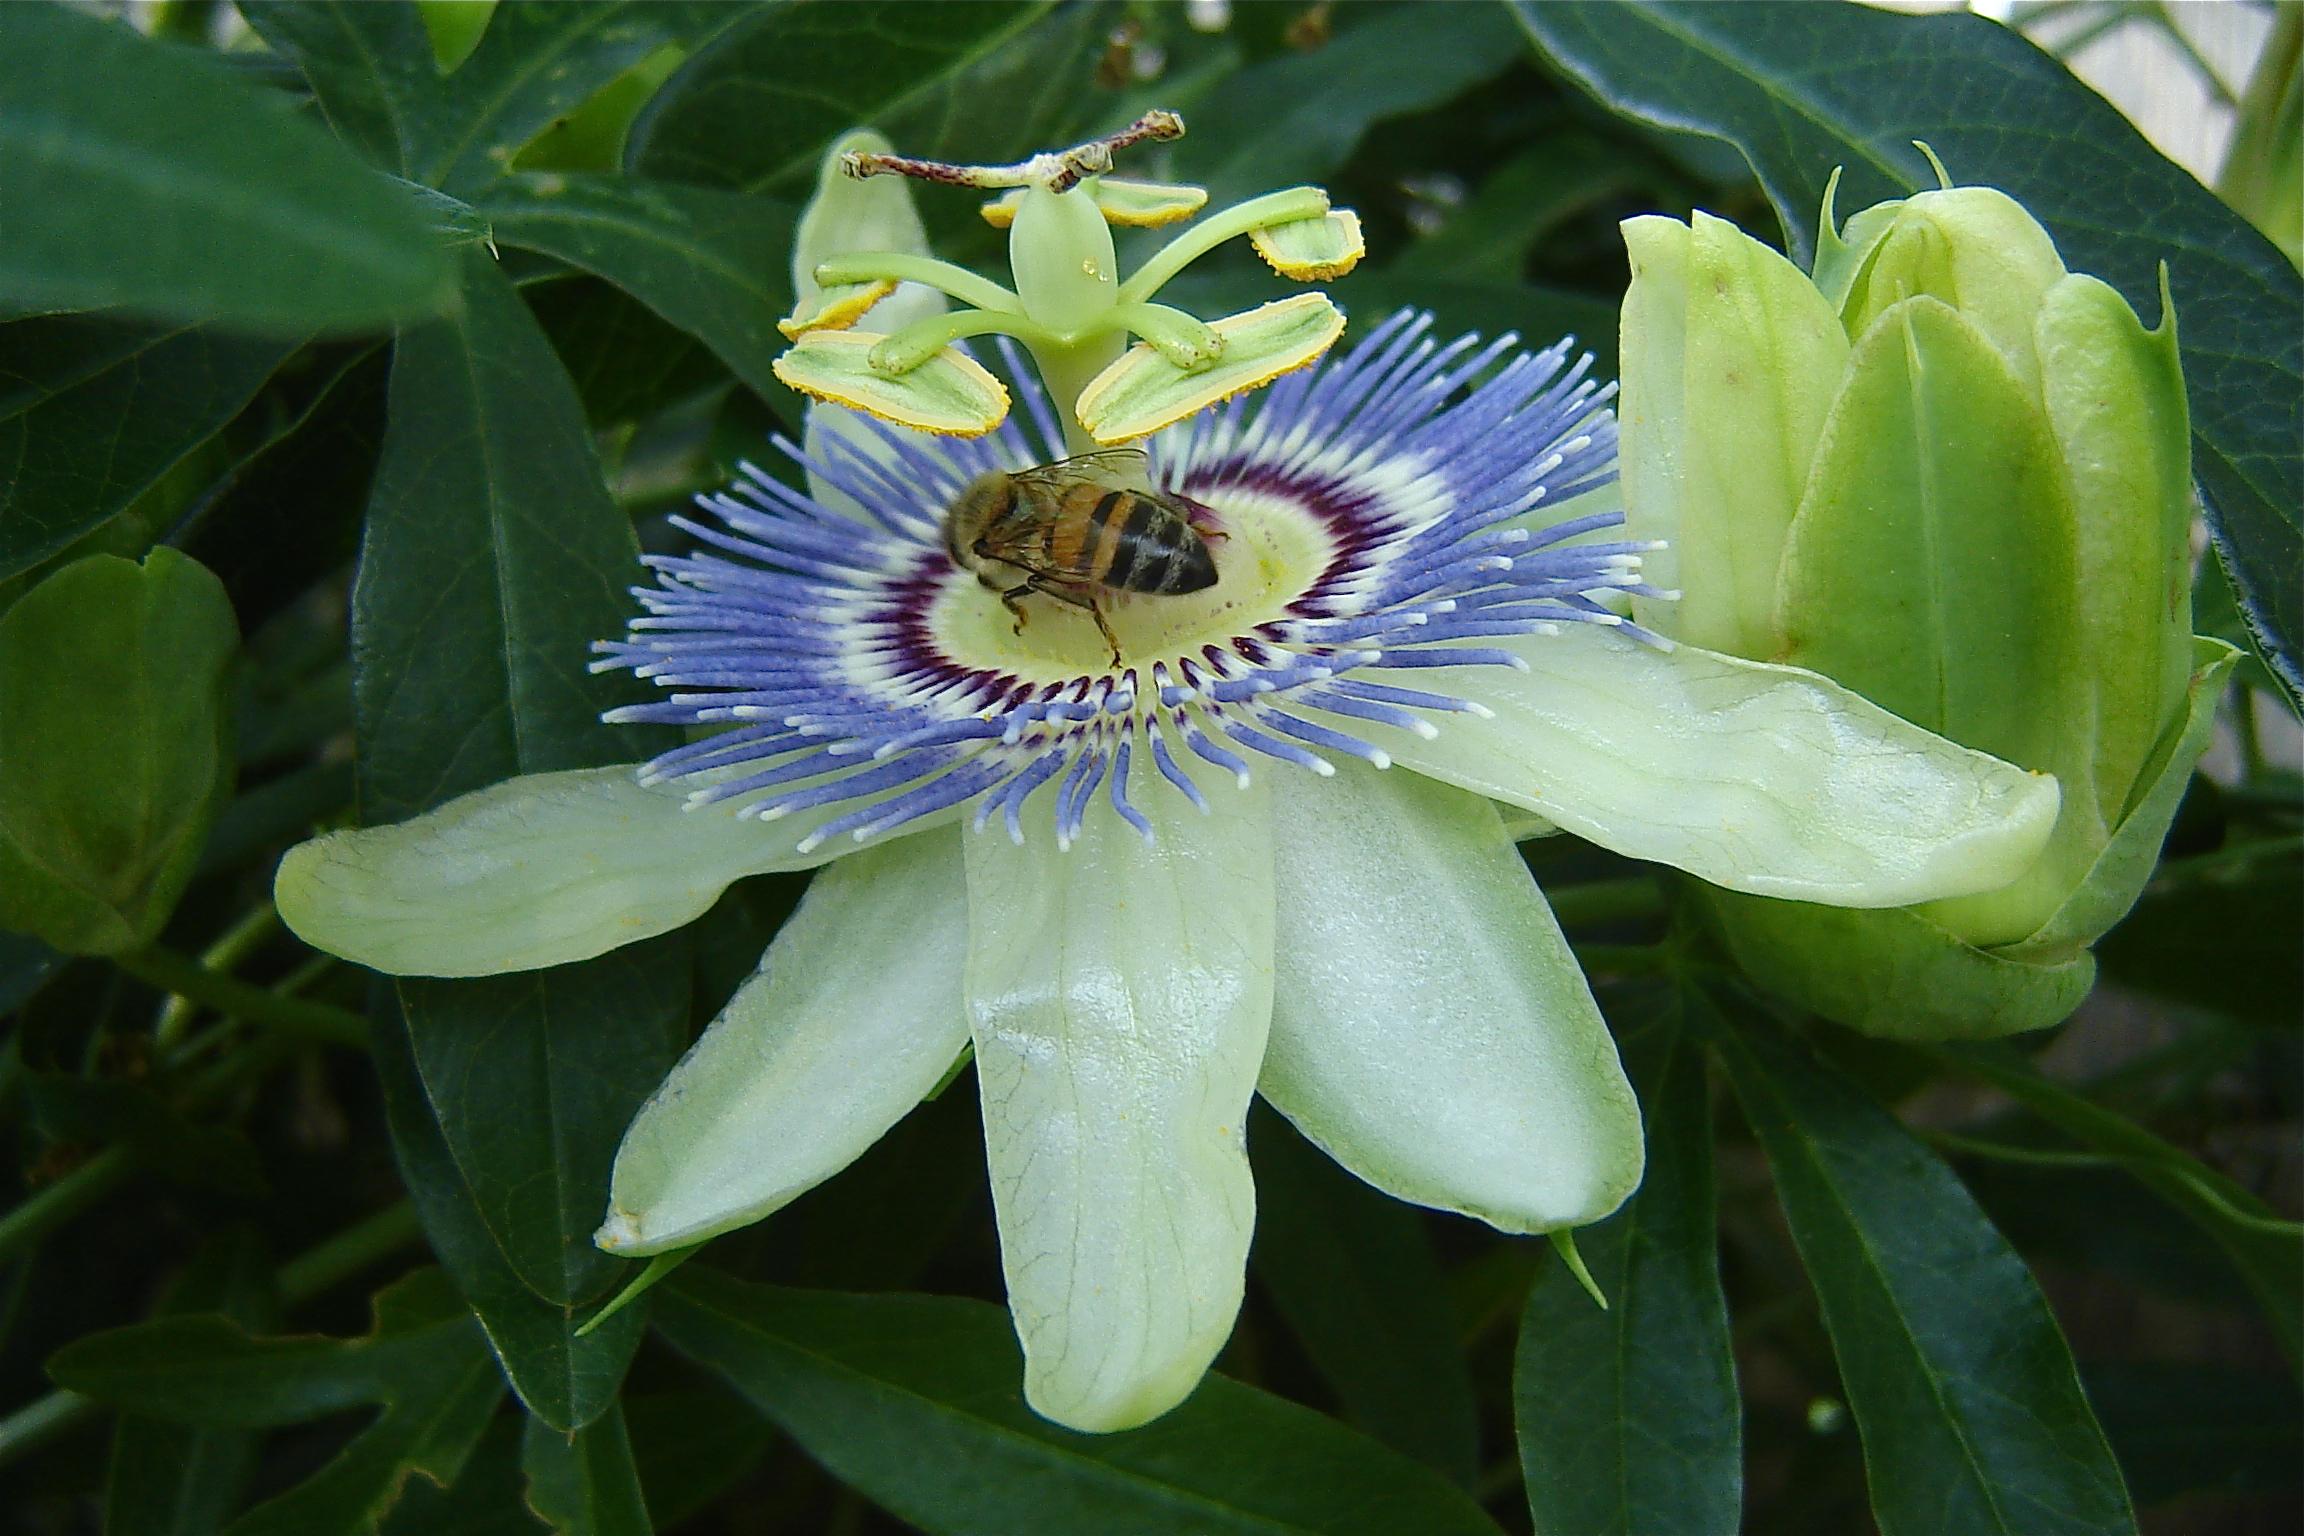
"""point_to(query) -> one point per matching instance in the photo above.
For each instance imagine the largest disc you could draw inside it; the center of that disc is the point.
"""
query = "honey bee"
(1074, 529)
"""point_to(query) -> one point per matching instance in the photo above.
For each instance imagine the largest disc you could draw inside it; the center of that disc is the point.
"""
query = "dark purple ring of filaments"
(813, 643)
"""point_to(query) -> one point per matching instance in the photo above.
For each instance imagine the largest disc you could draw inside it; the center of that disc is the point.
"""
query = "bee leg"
(1013, 598)
(1105, 629)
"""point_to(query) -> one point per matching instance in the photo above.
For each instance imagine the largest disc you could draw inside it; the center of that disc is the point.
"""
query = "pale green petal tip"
(1143, 391)
(1564, 1244)
(950, 394)
(1126, 1405)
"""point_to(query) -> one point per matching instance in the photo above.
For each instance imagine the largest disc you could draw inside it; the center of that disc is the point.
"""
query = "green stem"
(1067, 370)
(46, 1208)
(39, 1419)
(1239, 219)
(238, 943)
(172, 972)
(959, 282)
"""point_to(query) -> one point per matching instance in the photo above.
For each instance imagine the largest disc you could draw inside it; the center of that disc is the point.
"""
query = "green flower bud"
(113, 755)
(1968, 498)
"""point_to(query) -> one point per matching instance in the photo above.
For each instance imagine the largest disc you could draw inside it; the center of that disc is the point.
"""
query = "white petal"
(1120, 996)
(1430, 1029)
(853, 1016)
(1759, 778)
(539, 870)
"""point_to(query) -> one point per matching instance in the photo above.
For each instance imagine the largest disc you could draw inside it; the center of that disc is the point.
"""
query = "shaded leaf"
(2178, 1427)
(25, 963)
(583, 1482)
(148, 177)
(711, 263)
(94, 410)
(372, 64)
(2268, 1252)
(488, 1498)
(76, 1110)
(754, 108)
(1628, 1418)
(915, 1401)
(691, 1446)
(626, 363)
(1804, 88)
(1964, 1392)
(1354, 1274)
(2244, 907)
(289, 513)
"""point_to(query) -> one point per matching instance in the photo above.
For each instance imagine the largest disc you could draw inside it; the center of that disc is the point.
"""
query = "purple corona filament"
(805, 629)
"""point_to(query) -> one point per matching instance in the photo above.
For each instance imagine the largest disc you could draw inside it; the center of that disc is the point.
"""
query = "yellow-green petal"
(853, 1016)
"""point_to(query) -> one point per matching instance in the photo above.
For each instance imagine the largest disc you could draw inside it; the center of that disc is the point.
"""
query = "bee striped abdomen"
(1137, 544)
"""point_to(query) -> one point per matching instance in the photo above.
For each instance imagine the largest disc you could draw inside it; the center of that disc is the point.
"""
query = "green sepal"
(113, 755)
(1900, 577)
(2119, 874)
(1144, 391)
(1890, 971)
(1842, 251)
(1896, 973)
(1976, 249)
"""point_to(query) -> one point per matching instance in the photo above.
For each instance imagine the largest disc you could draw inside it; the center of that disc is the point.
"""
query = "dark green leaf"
(1804, 88)
(146, 177)
(175, 1479)
(371, 61)
(626, 363)
(1628, 1418)
(915, 1402)
(93, 411)
(2267, 1251)
(754, 108)
(564, 1379)
(2182, 1427)
(712, 263)
(1292, 119)
(691, 1446)
(289, 513)
(1489, 238)
(1355, 1276)
(493, 558)
(1971, 1413)
(583, 1481)
(532, 1078)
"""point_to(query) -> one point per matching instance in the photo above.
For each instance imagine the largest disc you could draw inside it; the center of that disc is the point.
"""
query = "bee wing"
(1119, 469)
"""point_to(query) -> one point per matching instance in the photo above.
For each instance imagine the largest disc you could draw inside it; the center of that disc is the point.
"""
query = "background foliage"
(412, 323)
